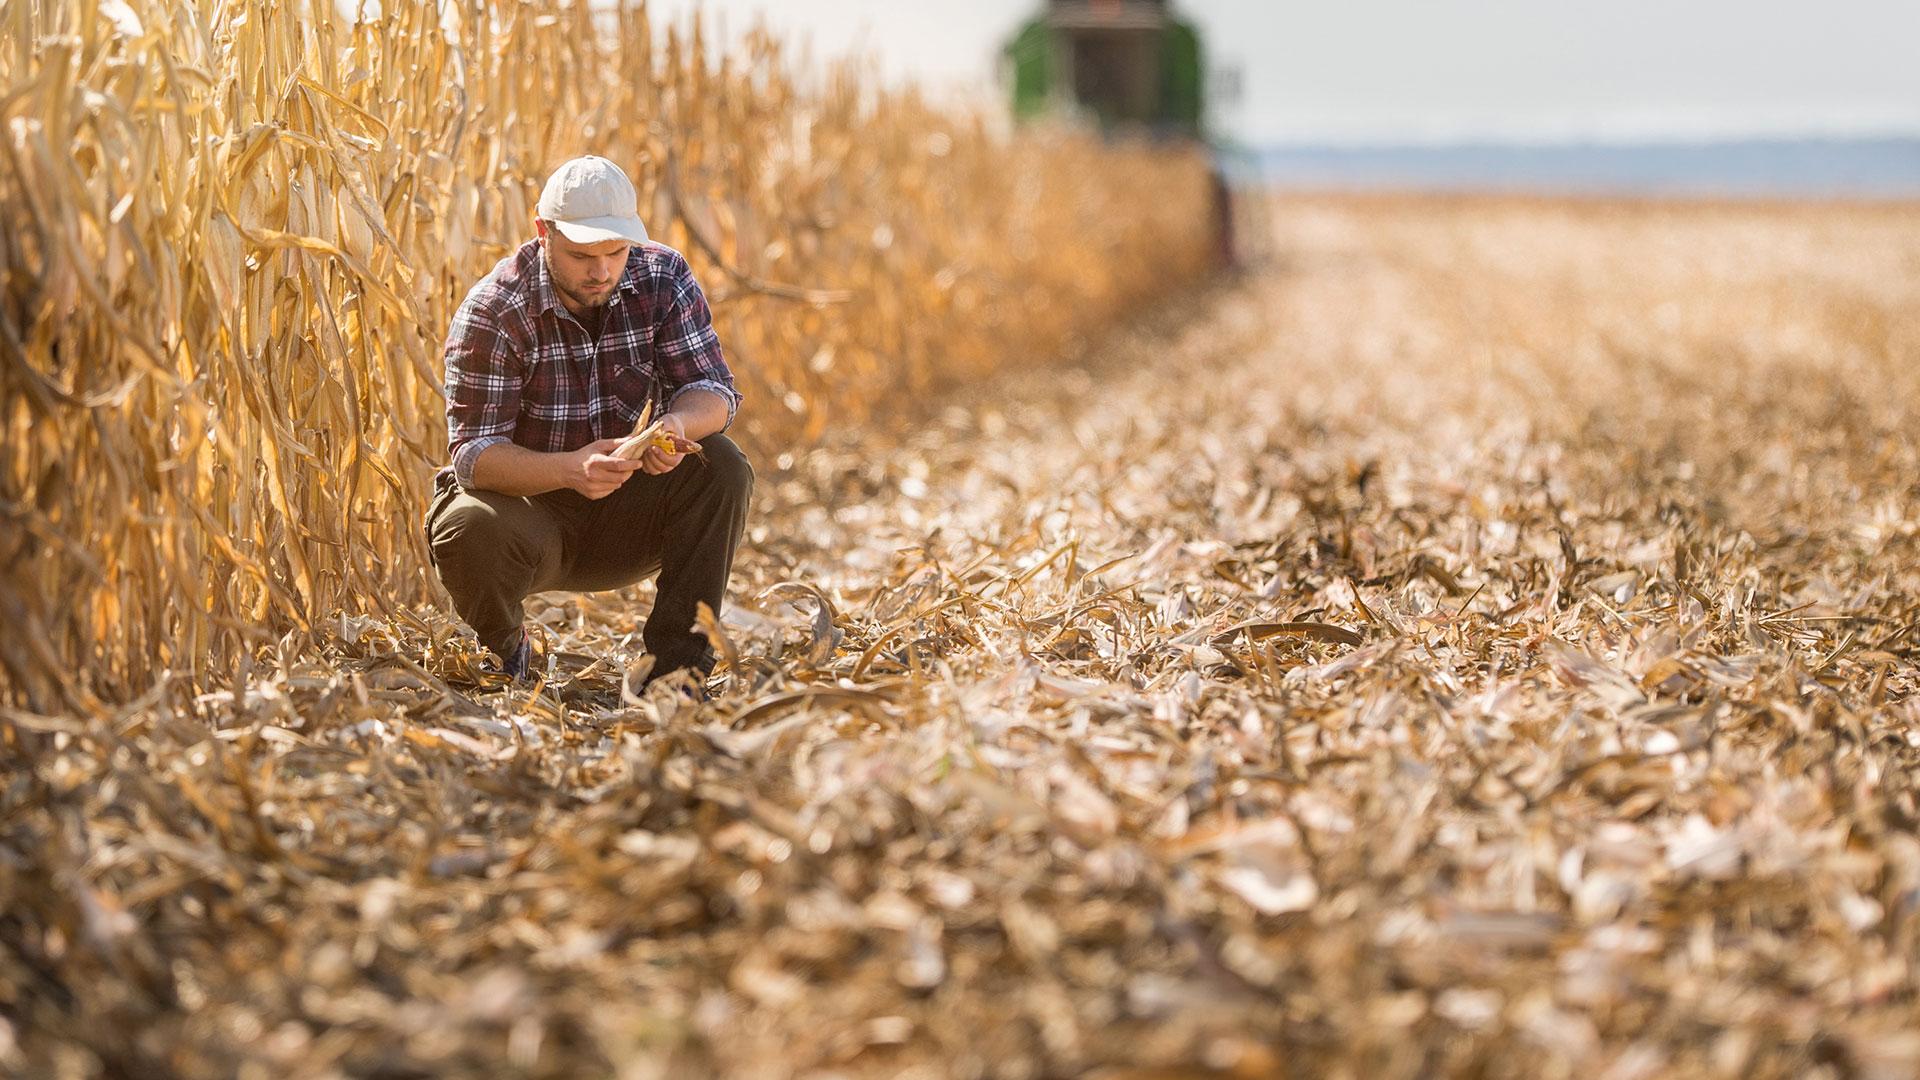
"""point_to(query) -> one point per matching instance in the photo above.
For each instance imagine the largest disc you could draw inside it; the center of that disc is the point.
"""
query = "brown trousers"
(493, 551)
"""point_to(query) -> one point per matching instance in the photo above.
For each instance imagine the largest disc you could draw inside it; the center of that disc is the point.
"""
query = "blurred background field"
(1476, 637)
(1636, 97)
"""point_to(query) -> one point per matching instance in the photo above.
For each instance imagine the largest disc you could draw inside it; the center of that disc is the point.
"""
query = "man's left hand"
(656, 461)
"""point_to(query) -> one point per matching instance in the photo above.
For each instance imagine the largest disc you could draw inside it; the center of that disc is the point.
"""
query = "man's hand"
(657, 461)
(593, 471)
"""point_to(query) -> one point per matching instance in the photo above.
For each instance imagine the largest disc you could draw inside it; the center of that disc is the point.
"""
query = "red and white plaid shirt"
(522, 369)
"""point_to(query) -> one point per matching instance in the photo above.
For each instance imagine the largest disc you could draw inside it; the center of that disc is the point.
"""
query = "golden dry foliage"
(1480, 645)
(233, 235)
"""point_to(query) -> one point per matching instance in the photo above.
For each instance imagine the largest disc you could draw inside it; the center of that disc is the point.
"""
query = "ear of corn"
(655, 435)
(235, 233)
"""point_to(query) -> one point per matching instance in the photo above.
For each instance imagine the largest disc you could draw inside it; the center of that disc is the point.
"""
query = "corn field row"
(234, 234)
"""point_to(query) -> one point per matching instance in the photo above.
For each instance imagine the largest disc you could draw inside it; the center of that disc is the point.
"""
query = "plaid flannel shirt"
(521, 369)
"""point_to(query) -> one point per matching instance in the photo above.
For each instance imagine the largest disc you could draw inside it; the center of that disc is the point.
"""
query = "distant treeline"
(1818, 168)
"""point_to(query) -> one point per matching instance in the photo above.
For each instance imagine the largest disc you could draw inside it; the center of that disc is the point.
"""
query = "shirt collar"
(544, 297)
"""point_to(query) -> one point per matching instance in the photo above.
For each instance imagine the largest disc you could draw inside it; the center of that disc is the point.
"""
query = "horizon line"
(1576, 140)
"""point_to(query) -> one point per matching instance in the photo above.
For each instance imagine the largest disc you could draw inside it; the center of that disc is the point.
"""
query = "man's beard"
(576, 298)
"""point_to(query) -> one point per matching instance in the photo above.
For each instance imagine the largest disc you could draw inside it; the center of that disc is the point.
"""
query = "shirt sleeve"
(687, 349)
(483, 387)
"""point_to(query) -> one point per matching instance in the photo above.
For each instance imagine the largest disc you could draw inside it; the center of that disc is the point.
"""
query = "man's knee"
(727, 466)
(466, 530)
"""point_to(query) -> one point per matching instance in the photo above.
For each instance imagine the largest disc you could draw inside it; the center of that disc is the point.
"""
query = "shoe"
(517, 664)
(690, 682)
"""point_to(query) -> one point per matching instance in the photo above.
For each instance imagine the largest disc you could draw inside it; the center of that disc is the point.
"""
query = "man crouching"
(550, 360)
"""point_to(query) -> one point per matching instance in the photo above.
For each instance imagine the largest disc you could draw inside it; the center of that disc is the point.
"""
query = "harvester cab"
(1132, 64)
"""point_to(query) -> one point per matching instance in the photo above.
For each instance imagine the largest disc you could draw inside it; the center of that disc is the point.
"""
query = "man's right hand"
(593, 471)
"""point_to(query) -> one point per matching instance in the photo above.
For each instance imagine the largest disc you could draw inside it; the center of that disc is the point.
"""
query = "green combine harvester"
(1132, 65)
(1131, 68)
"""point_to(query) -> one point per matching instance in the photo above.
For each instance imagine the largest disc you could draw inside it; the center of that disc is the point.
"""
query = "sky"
(1398, 71)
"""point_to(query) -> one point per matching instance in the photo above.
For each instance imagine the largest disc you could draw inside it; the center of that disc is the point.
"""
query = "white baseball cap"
(591, 201)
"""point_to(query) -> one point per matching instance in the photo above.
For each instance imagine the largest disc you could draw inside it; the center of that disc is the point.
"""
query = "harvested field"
(1479, 642)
